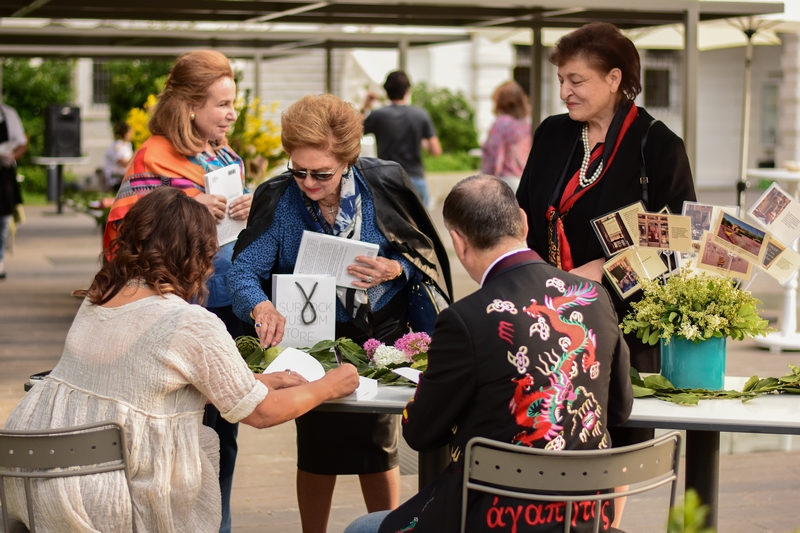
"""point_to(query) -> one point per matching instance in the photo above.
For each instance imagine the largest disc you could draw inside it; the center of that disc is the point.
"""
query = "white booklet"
(311, 369)
(326, 255)
(227, 182)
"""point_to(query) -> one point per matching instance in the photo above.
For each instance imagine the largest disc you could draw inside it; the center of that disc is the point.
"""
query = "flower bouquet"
(695, 307)
(692, 315)
(374, 360)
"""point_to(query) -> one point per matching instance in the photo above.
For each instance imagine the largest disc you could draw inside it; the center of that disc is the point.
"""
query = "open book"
(326, 255)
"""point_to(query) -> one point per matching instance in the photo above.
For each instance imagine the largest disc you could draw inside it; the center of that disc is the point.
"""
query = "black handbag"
(425, 302)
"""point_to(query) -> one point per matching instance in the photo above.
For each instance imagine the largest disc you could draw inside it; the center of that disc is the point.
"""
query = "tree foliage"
(131, 82)
(28, 86)
(452, 115)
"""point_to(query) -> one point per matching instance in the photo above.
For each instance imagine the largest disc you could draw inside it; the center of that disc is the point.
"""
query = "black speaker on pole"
(62, 131)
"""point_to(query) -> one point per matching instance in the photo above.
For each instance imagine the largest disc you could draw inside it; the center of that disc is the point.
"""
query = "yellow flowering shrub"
(138, 119)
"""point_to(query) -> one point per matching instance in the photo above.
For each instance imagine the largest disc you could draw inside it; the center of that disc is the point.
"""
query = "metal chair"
(569, 476)
(43, 454)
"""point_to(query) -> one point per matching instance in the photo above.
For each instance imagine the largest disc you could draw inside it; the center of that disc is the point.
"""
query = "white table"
(787, 338)
(776, 414)
(57, 165)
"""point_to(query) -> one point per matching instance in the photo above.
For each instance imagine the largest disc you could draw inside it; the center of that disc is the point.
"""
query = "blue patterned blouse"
(275, 252)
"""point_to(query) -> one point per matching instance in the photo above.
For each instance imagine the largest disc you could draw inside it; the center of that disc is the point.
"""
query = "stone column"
(789, 101)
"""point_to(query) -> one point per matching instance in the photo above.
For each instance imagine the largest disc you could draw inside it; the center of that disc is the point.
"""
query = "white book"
(326, 255)
(227, 182)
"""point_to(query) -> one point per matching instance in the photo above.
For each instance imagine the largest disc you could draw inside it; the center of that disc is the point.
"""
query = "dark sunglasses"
(319, 176)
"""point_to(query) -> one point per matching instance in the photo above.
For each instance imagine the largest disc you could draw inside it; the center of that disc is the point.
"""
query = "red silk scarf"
(559, 253)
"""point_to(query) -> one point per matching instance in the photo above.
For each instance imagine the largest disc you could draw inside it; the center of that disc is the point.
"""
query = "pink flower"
(371, 346)
(413, 343)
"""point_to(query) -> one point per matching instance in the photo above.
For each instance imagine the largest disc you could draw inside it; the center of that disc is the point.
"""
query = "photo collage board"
(709, 237)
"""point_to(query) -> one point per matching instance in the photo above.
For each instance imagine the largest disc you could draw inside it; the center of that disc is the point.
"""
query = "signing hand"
(269, 324)
(240, 207)
(342, 380)
(373, 272)
(281, 380)
(215, 204)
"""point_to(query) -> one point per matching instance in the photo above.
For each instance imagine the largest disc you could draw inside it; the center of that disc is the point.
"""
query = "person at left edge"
(11, 132)
(189, 124)
(330, 189)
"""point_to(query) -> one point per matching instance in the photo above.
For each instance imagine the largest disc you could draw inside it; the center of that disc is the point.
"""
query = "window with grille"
(101, 81)
(656, 87)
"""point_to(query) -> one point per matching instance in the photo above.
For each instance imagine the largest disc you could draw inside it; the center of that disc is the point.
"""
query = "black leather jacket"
(400, 216)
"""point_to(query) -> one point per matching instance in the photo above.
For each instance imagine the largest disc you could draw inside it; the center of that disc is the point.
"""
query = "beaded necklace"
(582, 179)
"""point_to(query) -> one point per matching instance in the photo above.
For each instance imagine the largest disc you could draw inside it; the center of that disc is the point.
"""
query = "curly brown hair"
(187, 86)
(605, 48)
(325, 122)
(168, 240)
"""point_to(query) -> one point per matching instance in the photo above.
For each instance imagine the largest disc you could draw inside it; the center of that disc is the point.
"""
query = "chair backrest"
(569, 476)
(88, 449)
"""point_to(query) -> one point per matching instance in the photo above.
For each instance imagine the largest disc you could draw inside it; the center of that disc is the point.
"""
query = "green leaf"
(672, 316)
(642, 392)
(658, 382)
(684, 398)
(750, 384)
(653, 340)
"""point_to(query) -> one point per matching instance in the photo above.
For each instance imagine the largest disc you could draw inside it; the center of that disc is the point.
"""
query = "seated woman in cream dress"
(139, 353)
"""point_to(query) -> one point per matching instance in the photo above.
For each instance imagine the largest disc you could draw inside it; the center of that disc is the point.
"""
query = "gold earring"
(191, 115)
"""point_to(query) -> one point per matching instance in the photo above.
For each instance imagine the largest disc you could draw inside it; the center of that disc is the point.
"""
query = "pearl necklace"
(582, 179)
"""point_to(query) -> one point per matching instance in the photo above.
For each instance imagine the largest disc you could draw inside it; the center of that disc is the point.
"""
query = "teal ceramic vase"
(689, 365)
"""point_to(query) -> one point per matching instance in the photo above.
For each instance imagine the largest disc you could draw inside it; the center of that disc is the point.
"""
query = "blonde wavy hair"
(325, 122)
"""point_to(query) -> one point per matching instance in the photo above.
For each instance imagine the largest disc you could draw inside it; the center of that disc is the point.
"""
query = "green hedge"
(451, 162)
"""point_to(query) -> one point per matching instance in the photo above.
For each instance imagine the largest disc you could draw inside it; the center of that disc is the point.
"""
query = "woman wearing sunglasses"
(329, 189)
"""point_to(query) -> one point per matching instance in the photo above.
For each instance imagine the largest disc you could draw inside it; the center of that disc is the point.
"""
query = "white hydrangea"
(388, 355)
(689, 331)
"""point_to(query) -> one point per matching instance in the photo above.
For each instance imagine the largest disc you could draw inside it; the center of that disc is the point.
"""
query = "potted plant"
(691, 315)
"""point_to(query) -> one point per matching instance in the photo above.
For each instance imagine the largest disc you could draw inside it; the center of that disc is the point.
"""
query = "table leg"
(702, 470)
(431, 464)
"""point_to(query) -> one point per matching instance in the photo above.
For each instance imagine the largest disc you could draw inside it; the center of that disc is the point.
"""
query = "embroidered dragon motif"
(541, 411)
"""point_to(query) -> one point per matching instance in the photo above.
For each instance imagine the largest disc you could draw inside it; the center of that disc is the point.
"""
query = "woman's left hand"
(281, 380)
(373, 272)
(240, 208)
(592, 270)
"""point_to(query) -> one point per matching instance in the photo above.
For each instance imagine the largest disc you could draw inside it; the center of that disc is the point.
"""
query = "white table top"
(776, 413)
(773, 174)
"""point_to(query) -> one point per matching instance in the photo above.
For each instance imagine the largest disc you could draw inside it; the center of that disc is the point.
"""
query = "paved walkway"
(58, 253)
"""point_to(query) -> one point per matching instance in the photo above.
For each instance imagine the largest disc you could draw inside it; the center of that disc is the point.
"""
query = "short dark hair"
(484, 210)
(605, 48)
(396, 85)
(121, 129)
(168, 240)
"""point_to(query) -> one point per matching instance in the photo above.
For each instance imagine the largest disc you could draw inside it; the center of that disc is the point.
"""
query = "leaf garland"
(657, 386)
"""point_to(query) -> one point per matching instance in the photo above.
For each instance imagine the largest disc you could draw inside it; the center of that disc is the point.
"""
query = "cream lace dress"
(150, 365)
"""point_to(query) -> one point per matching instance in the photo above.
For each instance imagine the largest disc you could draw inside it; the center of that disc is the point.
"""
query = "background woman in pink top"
(509, 142)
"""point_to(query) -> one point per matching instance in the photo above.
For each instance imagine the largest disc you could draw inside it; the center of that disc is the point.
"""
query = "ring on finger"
(258, 325)
(369, 279)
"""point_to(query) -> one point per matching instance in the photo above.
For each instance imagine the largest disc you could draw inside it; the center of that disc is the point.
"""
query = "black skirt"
(355, 443)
